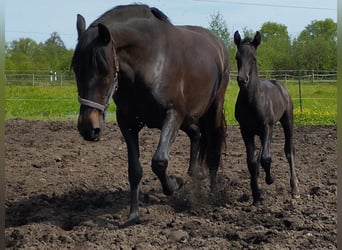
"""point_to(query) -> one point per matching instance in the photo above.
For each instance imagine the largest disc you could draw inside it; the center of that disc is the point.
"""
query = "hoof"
(133, 219)
(174, 183)
(258, 202)
(295, 196)
(269, 180)
(258, 198)
(177, 182)
(200, 174)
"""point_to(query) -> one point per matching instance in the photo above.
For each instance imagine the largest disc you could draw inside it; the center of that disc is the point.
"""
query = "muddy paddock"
(67, 193)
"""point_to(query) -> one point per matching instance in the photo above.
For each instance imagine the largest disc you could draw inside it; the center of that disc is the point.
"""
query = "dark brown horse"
(161, 76)
(260, 104)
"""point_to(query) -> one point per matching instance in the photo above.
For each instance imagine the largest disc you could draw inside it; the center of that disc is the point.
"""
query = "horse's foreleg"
(265, 158)
(135, 171)
(161, 156)
(253, 166)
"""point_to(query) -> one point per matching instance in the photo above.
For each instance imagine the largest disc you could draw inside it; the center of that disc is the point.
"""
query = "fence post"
(300, 94)
(285, 77)
(33, 79)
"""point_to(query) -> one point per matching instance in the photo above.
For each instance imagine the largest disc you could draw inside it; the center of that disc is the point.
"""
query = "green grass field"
(319, 103)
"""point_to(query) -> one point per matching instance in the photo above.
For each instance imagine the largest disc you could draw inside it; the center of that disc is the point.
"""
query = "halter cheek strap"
(99, 106)
(114, 87)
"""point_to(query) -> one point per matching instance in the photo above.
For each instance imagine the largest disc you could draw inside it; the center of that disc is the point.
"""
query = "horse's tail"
(213, 128)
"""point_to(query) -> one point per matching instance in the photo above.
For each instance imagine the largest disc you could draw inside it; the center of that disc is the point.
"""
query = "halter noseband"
(99, 106)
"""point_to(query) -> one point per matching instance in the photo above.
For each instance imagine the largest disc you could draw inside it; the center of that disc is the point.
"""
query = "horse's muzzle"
(89, 134)
(90, 125)
(242, 81)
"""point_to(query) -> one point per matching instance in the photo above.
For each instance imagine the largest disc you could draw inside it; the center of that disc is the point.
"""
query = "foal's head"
(95, 66)
(246, 57)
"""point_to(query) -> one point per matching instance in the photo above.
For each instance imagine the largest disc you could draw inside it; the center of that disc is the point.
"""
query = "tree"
(20, 54)
(315, 48)
(26, 55)
(218, 26)
(275, 50)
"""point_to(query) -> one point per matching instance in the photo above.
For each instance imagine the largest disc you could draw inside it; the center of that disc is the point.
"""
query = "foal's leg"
(265, 158)
(287, 124)
(161, 156)
(135, 171)
(253, 165)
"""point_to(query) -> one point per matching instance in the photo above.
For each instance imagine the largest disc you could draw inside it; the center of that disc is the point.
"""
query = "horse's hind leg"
(194, 133)
(161, 156)
(265, 158)
(287, 124)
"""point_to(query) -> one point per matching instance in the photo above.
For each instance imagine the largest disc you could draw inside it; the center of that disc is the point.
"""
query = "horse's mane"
(160, 15)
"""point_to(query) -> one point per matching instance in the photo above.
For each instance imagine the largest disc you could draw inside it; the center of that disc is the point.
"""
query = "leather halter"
(99, 106)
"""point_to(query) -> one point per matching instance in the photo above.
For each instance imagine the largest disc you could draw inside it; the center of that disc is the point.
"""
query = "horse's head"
(246, 57)
(96, 68)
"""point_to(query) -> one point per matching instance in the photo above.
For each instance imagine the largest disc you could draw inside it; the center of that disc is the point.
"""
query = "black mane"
(160, 15)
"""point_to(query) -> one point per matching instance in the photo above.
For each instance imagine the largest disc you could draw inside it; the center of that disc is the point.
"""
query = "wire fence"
(294, 75)
(48, 78)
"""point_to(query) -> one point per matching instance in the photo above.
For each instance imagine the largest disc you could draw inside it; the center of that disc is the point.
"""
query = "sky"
(37, 19)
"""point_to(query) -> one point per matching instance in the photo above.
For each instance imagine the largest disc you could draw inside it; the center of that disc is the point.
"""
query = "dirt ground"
(67, 193)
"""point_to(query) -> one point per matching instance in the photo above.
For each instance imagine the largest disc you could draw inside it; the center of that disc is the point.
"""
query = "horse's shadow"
(102, 207)
(67, 210)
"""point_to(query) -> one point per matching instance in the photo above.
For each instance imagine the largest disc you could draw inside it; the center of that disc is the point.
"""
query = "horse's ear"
(81, 25)
(257, 39)
(104, 33)
(237, 38)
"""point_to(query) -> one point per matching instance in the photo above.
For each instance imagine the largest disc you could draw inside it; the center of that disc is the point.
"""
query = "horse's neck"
(128, 35)
(125, 36)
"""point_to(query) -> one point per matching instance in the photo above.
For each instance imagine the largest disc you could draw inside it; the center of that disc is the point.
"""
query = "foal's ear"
(237, 38)
(104, 33)
(80, 25)
(257, 39)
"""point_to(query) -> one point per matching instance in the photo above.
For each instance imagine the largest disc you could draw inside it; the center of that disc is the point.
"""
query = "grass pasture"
(59, 102)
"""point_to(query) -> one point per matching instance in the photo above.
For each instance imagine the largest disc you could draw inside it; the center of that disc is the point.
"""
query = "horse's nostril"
(96, 132)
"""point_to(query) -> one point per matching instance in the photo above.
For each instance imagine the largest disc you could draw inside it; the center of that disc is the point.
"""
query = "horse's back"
(205, 40)
(279, 96)
(275, 89)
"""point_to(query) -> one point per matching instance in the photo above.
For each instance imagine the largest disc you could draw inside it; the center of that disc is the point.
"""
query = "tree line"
(314, 48)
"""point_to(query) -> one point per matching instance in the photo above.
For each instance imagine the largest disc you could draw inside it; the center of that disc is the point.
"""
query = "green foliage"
(315, 48)
(276, 47)
(219, 27)
(25, 55)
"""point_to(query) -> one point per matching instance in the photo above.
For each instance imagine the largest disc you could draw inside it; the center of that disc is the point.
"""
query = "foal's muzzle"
(243, 80)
